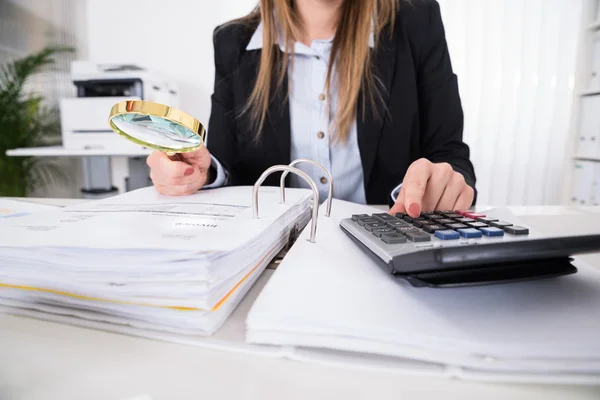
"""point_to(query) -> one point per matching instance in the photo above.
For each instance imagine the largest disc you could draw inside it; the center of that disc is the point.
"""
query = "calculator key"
(428, 215)
(461, 212)
(401, 215)
(356, 217)
(492, 231)
(486, 220)
(470, 233)
(418, 237)
(516, 230)
(380, 231)
(445, 221)
(477, 225)
(456, 226)
(375, 225)
(436, 217)
(393, 238)
(444, 212)
(421, 224)
(500, 224)
(465, 220)
(433, 228)
(363, 222)
(396, 224)
(407, 229)
(408, 219)
(474, 215)
(385, 217)
(453, 215)
(447, 234)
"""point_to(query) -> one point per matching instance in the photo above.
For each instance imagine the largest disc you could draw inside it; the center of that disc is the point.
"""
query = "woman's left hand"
(429, 187)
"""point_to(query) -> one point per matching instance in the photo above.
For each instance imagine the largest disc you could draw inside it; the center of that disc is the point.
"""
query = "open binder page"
(331, 295)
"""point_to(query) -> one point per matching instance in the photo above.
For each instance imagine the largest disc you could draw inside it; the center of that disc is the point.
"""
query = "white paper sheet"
(355, 306)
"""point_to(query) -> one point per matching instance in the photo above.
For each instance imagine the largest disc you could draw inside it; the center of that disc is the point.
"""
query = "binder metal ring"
(303, 175)
(303, 160)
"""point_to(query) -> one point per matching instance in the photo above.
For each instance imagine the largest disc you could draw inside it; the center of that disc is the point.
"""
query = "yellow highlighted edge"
(81, 297)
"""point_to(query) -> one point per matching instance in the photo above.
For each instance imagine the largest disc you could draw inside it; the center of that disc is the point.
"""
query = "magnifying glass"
(157, 126)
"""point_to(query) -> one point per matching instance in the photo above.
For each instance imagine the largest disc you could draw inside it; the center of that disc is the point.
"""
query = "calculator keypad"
(444, 225)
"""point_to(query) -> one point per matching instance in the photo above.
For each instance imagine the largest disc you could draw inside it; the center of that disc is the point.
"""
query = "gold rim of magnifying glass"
(157, 110)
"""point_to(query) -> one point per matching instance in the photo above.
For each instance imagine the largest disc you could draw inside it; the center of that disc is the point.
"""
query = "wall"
(515, 60)
(173, 37)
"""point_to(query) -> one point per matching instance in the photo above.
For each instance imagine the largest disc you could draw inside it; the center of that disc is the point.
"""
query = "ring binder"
(303, 160)
(303, 175)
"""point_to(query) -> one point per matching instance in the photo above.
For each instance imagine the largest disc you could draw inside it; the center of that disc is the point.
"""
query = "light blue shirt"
(311, 119)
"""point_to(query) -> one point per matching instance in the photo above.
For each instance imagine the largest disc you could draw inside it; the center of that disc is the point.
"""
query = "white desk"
(118, 158)
(42, 360)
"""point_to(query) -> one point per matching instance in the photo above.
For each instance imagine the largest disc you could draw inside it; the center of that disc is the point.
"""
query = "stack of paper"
(16, 208)
(176, 264)
(330, 295)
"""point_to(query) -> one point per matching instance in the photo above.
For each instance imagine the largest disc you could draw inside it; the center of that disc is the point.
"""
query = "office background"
(519, 64)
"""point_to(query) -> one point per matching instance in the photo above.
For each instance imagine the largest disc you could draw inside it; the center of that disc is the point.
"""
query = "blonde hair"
(350, 50)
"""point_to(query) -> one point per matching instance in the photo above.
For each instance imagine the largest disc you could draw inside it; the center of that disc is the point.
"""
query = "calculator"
(463, 248)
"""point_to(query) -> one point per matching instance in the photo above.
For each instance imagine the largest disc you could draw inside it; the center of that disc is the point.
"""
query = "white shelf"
(595, 159)
(590, 92)
(594, 26)
(59, 151)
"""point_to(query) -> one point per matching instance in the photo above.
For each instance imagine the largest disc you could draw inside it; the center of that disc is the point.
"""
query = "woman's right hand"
(179, 178)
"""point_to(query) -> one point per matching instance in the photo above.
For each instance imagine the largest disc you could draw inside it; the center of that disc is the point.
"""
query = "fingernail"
(413, 208)
(189, 171)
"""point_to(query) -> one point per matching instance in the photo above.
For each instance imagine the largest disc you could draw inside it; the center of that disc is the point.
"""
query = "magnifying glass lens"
(158, 131)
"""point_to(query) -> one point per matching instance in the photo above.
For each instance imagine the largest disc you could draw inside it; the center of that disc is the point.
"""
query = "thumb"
(200, 158)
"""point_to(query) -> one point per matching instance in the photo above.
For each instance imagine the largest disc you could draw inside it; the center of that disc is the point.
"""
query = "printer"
(85, 127)
(84, 118)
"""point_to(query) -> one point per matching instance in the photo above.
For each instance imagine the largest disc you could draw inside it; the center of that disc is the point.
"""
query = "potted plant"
(24, 122)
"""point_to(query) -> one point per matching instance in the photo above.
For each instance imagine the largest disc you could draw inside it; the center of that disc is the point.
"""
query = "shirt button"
(323, 180)
(321, 97)
(317, 58)
(320, 135)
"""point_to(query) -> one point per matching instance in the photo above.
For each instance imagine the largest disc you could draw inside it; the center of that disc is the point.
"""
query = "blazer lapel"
(279, 121)
(369, 126)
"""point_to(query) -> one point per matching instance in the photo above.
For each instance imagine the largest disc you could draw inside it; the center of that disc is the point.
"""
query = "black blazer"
(425, 113)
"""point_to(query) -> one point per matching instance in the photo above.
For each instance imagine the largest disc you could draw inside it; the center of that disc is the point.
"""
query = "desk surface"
(59, 151)
(43, 360)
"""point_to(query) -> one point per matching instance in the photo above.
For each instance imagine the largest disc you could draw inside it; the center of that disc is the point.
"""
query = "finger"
(465, 199)
(200, 157)
(415, 183)
(398, 206)
(441, 175)
(451, 193)
(161, 162)
(197, 178)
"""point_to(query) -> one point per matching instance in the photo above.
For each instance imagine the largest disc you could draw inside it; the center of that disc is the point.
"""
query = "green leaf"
(24, 122)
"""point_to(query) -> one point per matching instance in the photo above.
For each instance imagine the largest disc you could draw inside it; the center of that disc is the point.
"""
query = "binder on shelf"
(577, 195)
(589, 128)
(594, 83)
(586, 183)
(596, 189)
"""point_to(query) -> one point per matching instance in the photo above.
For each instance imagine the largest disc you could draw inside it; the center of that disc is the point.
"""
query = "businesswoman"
(365, 87)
